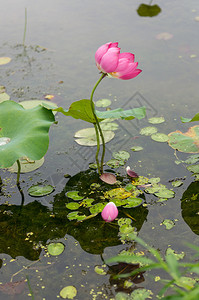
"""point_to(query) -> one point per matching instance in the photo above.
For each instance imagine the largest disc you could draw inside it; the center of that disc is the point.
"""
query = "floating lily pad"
(55, 248)
(156, 120)
(68, 292)
(97, 208)
(87, 137)
(133, 202)
(178, 256)
(177, 183)
(193, 168)
(165, 193)
(100, 270)
(137, 148)
(40, 190)
(108, 125)
(115, 163)
(119, 193)
(146, 10)
(160, 137)
(185, 142)
(168, 223)
(27, 130)
(4, 60)
(192, 159)
(87, 202)
(72, 205)
(74, 195)
(75, 215)
(103, 103)
(121, 155)
(27, 165)
(148, 130)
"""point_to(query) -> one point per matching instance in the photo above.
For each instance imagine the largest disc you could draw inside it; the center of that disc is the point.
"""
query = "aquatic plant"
(111, 63)
(23, 133)
(110, 212)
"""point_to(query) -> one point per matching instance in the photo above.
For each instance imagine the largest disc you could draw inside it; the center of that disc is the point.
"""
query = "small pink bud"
(110, 212)
(131, 173)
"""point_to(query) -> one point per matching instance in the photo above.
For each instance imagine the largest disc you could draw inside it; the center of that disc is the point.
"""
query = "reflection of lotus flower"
(110, 212)
(120, 65)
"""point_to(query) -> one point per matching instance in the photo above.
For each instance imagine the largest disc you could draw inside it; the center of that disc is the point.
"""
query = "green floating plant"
(23, 133)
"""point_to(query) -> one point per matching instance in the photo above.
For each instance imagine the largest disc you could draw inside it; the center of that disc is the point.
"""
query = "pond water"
(58, 59)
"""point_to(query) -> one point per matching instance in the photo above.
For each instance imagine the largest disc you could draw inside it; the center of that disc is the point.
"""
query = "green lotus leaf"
(74, 195)
(148, 130)
(68, 292)
(146, 10)
(72, 205)
(137, 148)
(23, 132)
(133, 202)
(156, 120)
(87, 137)
(121, 155)
(185, 142)
(195, 118)
(119, 113)
(103, 103)
(168, 223)
(55, 248)
(160, 137)
(40, 190)
(79, 110)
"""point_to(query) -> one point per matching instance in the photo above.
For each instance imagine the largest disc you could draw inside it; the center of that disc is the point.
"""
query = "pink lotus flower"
(110, 61)
(110, 212)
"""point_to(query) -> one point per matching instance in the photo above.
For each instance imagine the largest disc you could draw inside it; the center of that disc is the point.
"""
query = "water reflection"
(25, 229)
(190, 206)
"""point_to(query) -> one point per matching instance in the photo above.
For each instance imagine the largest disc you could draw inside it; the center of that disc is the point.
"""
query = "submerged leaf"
(4, 60)
(13, 288)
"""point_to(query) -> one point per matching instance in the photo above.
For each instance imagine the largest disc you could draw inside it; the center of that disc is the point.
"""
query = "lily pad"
(192, 159)
(87, 137)
(148, 130)
(156, 120)
(72, 205)
(133, 202)
(119, 193)
(193, 168)
(27, 165)
(4, 60)
(68, 292)
(168, 223)
(121, 155)
(146, 10)
(55, 248)
(160, 137)
(74, 195)
(27, 130)
(115, 163)
(108, 125)
(185, 142)
(165, 193)
(100, 270)
(103, 103)
(119, 113)
(137, 148)
(177, 183)
(75, 215)
(97, 208)
(40, 190)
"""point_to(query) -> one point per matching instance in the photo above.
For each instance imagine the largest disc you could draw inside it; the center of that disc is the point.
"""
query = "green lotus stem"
(98, 148)
(19, 171)
(98, 127)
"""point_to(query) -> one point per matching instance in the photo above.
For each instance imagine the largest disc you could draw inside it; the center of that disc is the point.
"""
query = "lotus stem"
(100, 168)
(19, 171)
(25, 27)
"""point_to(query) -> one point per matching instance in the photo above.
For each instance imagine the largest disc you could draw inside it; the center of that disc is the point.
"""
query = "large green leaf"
(79, 110)
(23, 132)
(185, 142)
(119, 113)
